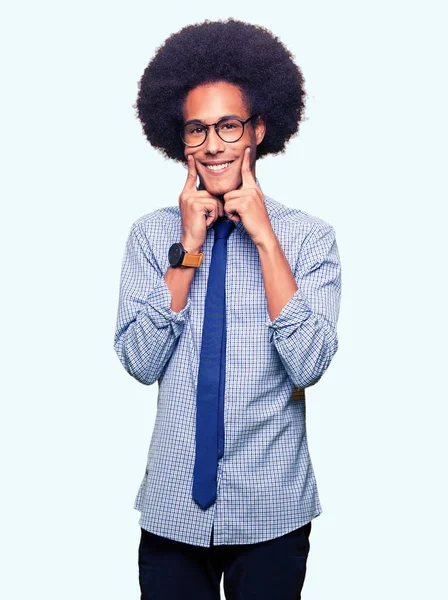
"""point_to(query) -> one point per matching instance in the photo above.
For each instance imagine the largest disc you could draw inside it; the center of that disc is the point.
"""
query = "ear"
(260, 129)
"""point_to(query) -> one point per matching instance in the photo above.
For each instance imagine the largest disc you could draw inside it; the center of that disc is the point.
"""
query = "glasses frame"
(215, 125)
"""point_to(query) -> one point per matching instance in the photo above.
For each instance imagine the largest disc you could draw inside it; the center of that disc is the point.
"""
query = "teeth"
(218, 167)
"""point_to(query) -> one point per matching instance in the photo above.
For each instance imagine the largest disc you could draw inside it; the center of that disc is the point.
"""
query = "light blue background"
(370, 159)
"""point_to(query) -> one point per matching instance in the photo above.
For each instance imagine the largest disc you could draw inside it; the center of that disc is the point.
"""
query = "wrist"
(267, 243)
(191, 246)
(179, 256)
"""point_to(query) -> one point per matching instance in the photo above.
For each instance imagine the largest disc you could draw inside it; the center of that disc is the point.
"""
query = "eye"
(229, 125)
(195, 129)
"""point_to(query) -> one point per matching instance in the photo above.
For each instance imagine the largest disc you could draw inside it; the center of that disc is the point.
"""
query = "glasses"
(230, 130)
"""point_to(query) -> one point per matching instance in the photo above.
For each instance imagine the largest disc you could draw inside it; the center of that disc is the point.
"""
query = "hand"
(246, 204)
(198, 210)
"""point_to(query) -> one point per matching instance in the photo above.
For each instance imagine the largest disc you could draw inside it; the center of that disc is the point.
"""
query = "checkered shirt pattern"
(266, 485)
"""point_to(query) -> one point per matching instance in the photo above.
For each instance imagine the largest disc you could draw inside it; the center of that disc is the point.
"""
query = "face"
(209, 103)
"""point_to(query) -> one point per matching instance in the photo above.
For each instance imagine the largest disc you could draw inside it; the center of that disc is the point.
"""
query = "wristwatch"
(179, 257)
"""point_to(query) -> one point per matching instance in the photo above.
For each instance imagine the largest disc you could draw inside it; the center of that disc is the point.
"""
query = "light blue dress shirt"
(266, 485)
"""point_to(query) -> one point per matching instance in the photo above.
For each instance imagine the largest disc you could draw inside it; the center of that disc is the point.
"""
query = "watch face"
(175, 254)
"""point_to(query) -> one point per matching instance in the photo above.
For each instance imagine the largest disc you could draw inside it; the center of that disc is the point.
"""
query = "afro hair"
(245, 55)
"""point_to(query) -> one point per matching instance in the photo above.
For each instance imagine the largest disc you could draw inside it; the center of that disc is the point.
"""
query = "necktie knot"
(223, 228)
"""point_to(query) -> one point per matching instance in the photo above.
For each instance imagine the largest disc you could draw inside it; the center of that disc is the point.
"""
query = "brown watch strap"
(192, 260)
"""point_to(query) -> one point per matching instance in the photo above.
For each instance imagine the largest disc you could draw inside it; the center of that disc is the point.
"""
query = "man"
(230, 301)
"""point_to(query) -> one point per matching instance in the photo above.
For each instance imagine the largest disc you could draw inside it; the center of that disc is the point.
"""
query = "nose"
(213, 143)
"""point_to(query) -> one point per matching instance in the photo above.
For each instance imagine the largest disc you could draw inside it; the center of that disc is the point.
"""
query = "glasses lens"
(194, 134)
(230, 130)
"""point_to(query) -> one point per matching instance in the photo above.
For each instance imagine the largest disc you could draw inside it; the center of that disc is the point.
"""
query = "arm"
(304, 333)
(153, 305)
(199, 210)
(147, 328)
(279, 283)
(303, 306)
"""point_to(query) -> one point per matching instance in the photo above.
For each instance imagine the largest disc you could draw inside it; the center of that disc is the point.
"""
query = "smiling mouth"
(217, 168)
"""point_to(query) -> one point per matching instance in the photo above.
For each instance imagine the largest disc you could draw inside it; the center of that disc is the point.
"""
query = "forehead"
(210, 102)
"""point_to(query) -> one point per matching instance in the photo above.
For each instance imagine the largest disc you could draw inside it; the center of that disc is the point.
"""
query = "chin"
(219, 188)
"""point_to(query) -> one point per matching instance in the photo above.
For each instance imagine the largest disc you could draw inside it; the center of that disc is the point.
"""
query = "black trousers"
(271, 570)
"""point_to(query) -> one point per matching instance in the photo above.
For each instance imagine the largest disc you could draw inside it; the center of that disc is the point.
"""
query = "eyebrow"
(220, 119)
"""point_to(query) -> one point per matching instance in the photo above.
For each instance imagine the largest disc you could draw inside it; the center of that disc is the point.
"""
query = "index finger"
(246, 173)
(192, 176)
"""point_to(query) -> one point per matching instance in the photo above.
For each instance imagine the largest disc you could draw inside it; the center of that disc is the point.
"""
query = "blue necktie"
(211, 376)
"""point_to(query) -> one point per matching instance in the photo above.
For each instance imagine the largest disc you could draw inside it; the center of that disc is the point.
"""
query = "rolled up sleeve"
(304, 333)
(147, 329)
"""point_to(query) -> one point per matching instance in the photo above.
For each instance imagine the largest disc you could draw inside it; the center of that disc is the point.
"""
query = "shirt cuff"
(159, 309)
(295, 312)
